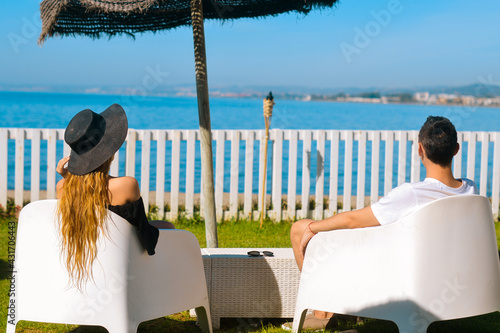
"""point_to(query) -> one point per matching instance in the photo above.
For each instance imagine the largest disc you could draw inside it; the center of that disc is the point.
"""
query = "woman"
(87, 192)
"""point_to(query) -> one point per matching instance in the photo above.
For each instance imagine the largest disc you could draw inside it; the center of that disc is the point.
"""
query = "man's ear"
(457, 149)
(420, 150)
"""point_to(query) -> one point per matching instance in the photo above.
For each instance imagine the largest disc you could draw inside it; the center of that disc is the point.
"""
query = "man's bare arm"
(360, 218)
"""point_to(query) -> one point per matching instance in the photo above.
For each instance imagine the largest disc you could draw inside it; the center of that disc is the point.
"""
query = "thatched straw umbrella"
(102, 18)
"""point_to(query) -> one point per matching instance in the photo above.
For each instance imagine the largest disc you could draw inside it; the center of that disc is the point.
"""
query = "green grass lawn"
(230, 234)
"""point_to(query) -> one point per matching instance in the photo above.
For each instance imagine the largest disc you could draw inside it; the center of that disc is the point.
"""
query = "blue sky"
(366, 43)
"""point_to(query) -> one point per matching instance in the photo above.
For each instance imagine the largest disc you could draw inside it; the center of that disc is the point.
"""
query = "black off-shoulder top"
(135, 214)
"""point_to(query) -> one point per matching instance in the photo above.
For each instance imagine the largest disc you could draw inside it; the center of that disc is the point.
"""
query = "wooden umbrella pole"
(204, 118)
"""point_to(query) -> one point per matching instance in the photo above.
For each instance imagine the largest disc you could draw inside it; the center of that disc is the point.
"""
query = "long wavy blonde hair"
(82, 211)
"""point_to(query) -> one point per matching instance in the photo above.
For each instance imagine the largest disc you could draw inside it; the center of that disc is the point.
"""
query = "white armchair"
(129, 287)
(440, 262)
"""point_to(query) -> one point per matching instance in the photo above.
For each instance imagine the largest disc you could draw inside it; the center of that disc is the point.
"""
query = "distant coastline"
(474, 95)
(441, 99)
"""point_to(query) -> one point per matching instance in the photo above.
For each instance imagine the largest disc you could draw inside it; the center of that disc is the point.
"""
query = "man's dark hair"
(439, 139)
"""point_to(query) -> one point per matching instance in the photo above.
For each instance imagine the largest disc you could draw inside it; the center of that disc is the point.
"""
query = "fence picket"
(348, 170)
(202, 194)
(471, 155)
(145, 163)
(320, 175)
(161, 137)
(277, 174)
(4, 139)
(113, 170)
(190, 161)
(306, 172)
(334, 172)
(402, 138)
(483, 181)
(219, 174)
(262, 189)
(495, 184)
(66, 148)
(130, 151)
(234, 173)
(35, 135)
(360, 190)
(249, 144)
(389, 151)
(375, 166)
(19, 175)
(174, 177)
(457, 160)
(415, 159)
(292, 174)
(51, 163)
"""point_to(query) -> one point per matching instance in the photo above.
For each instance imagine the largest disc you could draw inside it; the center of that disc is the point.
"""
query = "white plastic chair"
(130, 287)
(440, 262)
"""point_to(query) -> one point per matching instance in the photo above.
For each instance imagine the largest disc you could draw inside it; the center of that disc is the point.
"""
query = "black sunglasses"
(257, 253)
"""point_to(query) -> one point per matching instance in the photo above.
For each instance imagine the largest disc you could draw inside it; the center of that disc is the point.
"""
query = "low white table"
(240, 286)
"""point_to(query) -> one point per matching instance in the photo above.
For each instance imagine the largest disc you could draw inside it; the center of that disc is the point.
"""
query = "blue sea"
(48, 110)
(51, 110)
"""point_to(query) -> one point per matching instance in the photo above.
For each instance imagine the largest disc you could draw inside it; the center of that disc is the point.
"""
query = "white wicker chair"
(438, 263)
(130, 287)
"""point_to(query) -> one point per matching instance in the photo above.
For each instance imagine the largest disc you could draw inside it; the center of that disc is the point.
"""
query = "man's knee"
(299, 227)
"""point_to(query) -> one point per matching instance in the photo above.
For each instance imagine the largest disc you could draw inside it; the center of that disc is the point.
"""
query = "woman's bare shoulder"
(123, 190)
(125, 181)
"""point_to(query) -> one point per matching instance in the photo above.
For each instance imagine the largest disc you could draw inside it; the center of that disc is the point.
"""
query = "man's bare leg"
(296, 233)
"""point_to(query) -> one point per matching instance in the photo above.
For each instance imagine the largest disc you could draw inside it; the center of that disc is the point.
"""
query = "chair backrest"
(439, 262)
(455, 257)
(129, 286)
(38, 257)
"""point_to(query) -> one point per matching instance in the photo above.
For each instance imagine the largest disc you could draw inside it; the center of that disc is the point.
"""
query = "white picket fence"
(365, 164)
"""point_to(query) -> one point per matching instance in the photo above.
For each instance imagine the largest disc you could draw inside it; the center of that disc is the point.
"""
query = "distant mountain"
(476, 90)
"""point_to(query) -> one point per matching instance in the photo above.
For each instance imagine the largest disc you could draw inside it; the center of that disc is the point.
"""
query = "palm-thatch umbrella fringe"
(96, 18)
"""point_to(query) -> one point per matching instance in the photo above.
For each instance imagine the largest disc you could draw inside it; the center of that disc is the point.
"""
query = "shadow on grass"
(89, 329)
(164, 324)
(181, 322)
(262, 325)
(174, 323)
(488, 323)
(5, 271)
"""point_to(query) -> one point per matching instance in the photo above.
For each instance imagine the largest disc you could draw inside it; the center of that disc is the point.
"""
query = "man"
(437, 144)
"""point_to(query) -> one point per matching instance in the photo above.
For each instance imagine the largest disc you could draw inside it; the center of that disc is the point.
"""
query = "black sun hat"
(95, 137)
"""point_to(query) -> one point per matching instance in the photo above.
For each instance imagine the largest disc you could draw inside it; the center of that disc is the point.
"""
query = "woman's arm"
(62, 169)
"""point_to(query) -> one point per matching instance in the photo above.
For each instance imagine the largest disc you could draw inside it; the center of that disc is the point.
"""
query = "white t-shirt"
(408, 197)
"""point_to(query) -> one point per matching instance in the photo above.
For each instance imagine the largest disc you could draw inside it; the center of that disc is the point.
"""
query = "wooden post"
(204, 118)
(263, 210)
(268, 113)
